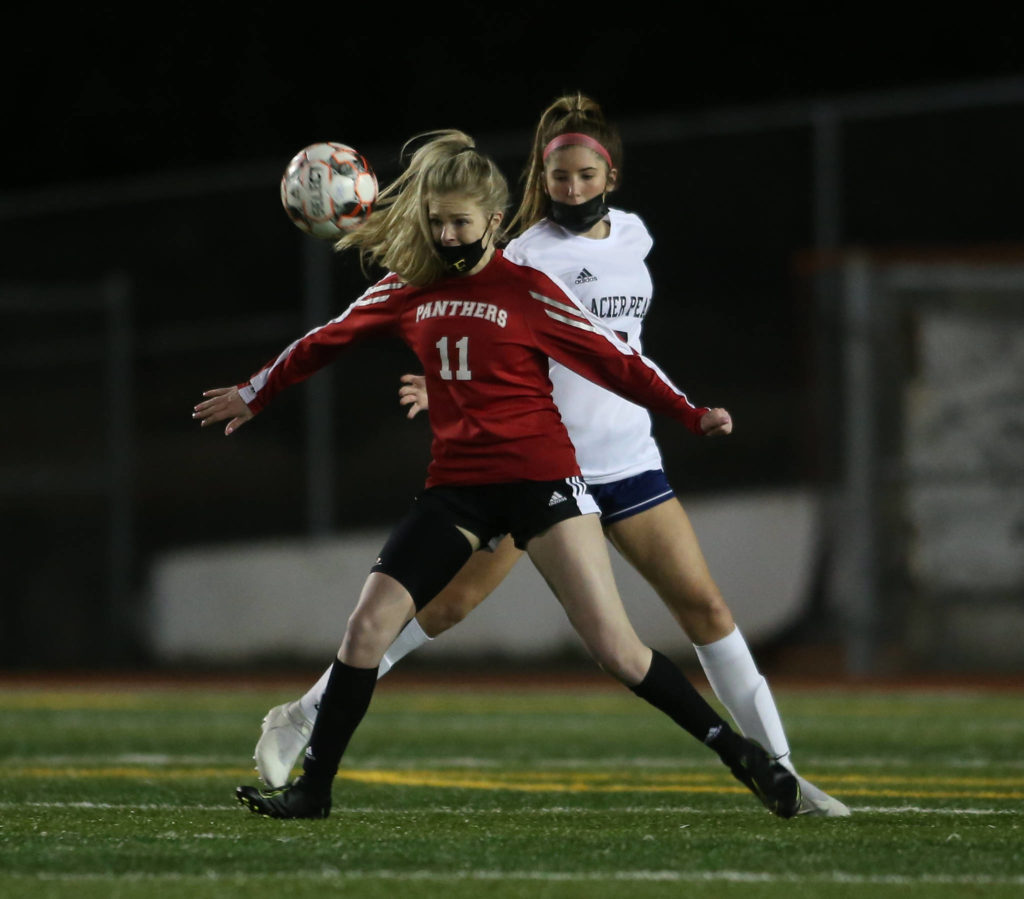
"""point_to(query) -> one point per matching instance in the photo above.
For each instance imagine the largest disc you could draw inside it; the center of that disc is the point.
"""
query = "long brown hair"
(570, 113)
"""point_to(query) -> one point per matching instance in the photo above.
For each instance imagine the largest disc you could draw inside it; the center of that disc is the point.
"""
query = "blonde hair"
(569, 114)
(396, 236)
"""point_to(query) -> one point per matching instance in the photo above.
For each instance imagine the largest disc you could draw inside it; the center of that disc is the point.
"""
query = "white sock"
(310, 701)
(733, 675)
(409, 638)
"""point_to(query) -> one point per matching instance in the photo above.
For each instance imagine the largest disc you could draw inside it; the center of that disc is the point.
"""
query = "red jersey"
(484, 341)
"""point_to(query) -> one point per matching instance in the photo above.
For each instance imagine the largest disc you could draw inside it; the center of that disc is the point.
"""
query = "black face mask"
(462, 257)
(581, 217)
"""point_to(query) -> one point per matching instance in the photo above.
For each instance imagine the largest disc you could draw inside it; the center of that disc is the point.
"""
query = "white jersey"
(612, 436)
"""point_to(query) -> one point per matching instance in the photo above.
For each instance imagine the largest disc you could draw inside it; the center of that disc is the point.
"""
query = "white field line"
(330, 875)
(463, 812)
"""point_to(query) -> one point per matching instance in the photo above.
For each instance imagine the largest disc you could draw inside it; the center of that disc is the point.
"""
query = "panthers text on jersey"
(484, 341)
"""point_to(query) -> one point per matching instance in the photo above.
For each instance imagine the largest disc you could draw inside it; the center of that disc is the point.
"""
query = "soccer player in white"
(598, 253)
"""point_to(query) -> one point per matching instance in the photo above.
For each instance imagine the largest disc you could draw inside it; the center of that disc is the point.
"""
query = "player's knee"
(703, 615)
(447, 609)
(625, 661)
(366, 631)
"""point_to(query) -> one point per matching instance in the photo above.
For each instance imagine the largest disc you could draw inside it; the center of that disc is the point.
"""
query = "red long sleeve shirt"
(484, 341)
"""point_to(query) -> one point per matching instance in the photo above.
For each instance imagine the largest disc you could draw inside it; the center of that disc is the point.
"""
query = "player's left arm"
(570, 334)
(413, 393)
(716, 422)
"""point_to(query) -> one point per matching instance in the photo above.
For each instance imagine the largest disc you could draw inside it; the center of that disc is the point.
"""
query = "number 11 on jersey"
(462, 373)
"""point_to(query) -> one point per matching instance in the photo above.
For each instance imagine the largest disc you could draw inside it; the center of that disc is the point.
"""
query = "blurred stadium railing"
(103, 472)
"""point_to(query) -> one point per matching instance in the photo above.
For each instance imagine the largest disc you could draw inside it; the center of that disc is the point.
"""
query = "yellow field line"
(596, 782)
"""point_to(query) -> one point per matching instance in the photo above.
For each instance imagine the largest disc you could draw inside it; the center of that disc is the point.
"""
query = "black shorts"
(427, 549)
(523, 509)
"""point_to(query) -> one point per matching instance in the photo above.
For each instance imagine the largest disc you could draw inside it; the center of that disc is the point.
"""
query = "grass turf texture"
(507, 792)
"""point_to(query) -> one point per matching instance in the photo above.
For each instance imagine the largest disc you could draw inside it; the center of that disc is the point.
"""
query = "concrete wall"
(290, 599)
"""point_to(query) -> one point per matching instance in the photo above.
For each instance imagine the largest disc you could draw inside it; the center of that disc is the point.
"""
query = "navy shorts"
(630, 496)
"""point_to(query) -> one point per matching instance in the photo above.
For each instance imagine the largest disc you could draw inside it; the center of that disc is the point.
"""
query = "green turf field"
(506, 791)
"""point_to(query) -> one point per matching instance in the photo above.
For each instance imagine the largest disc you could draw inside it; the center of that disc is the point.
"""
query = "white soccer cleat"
(286, 731)
(816, 803)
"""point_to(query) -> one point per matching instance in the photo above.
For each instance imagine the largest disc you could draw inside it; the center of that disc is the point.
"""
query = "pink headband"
(583, 140)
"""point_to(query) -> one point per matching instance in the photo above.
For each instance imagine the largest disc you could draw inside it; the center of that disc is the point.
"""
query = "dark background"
(112, 90)
(145, 144)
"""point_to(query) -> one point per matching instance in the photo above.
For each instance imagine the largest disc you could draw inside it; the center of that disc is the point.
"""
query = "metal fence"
(210, 280)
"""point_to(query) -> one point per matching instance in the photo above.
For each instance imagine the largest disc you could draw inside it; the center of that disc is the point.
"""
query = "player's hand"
(222, 403)
(413, 393)
(716, 423)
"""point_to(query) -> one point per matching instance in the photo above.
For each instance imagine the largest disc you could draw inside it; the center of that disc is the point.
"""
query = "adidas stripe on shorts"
(523, 509)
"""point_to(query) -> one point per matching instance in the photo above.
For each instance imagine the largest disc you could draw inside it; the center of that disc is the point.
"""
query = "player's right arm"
(370, 315)
(223, 403)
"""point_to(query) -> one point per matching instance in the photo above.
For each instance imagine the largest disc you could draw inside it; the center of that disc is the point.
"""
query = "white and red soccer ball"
(328, 189)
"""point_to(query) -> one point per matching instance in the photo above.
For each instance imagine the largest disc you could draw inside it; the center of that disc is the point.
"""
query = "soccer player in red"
(568, 230)
(484, 328)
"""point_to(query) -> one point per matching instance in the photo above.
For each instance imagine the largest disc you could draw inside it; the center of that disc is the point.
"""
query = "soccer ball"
(328, 189)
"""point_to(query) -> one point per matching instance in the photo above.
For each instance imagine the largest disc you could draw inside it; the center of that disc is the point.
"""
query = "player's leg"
(573, 558)
(660, 543)
(476, 580)
(383, 608)
(286, 728)
(422, 555)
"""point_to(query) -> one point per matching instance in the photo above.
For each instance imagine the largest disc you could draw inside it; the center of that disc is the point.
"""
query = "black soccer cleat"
(296, 800)
(771, 782)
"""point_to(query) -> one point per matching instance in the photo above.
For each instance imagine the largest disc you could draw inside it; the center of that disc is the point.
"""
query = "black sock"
(667, 688)
(343, 705)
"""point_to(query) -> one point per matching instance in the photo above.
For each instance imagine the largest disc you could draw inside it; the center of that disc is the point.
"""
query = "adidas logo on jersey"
(556, 498)
(584, 277)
